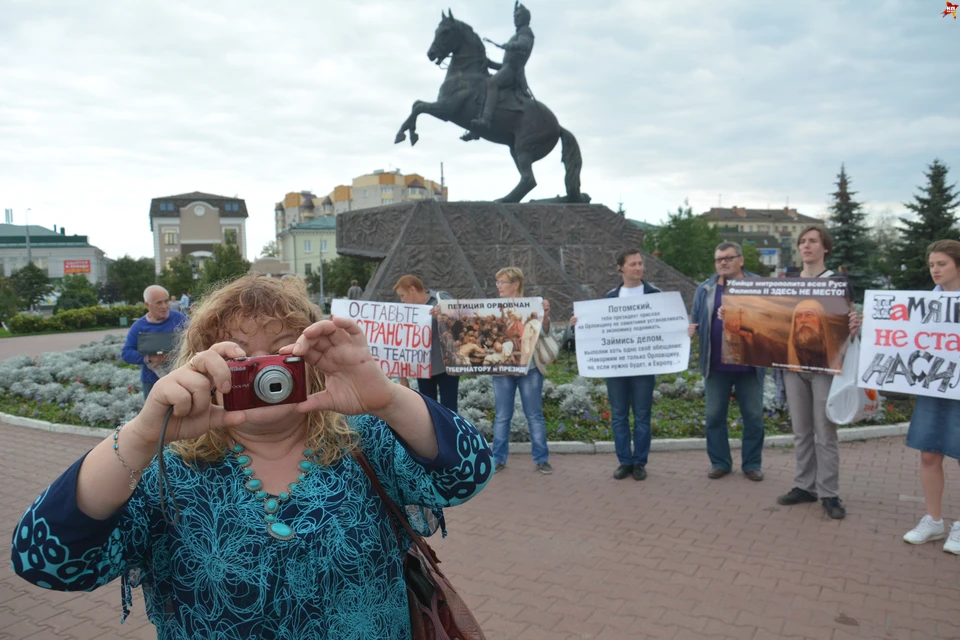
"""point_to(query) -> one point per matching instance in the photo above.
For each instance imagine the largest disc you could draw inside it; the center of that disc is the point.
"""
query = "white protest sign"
(399, 335)
(635, 336)
(911, 343)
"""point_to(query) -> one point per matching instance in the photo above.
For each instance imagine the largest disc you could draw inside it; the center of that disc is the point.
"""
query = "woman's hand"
(720, 313)
(355, 383)
(435, 311)
(692, 330)
(573, 321)
(188, 390)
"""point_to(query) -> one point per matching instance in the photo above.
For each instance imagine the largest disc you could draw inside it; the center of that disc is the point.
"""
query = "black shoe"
(622, 471)
(716, 473)
(834, 508)
(754, 474)
(639, 472)
(796, 496)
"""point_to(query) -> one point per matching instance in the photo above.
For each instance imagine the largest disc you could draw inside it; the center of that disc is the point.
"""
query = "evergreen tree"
(852, 247)
(936, 219)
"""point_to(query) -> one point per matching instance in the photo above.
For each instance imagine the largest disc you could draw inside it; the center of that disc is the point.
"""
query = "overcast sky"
(105, 105)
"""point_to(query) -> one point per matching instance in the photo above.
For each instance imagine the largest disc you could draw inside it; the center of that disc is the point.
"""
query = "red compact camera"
(264, 381)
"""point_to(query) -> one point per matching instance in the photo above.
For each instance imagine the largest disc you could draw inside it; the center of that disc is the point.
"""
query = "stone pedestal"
(567, 252)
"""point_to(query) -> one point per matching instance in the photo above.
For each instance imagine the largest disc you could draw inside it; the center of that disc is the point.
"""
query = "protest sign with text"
(911, 342)
(801, 324)
(635, 336)
(491, 336)
(399, 334)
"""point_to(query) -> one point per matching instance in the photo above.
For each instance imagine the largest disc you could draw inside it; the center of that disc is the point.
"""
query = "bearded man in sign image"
(811, 342)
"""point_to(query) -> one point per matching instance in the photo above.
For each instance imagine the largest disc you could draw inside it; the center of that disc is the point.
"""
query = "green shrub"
(76, 319)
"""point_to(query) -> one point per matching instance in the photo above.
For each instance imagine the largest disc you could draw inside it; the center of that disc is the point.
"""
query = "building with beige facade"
(190, 224)
(371, 190)
(783, 225)
(52, 251)
(305, 246)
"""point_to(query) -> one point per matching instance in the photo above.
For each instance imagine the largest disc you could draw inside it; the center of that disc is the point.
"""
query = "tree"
(885, 239)
(131, 276)
(851, 236)
(31, 285)
(751, 260)
(338, 273)
(270, 250)
(108, 291)
(10, 302)
(936, 219)
(226, 265)
(686, 243)
(177, 277)
(76, 292)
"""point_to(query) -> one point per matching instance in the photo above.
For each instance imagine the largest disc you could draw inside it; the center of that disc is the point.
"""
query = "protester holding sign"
(510, 285)
(721, 378)
(410, 290)
(935, 424)
(629, 391)
(814, 435)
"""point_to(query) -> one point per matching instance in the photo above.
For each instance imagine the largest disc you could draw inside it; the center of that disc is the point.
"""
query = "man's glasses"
(503, 283)
(725, 259)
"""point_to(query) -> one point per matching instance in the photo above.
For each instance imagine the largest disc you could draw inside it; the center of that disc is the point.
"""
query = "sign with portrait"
(911, 343)
(399, 335)
(800, 324)
(490, 336)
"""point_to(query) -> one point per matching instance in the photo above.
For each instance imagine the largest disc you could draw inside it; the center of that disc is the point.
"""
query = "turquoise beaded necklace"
(271, 504)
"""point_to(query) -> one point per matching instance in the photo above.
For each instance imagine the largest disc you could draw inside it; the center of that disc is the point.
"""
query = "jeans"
(531, 397)
(719, 385)
(147, 386)
(634, 392)
(448, 386)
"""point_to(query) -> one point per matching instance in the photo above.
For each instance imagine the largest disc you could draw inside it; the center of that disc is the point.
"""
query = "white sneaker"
(926, 531)
(952, 545)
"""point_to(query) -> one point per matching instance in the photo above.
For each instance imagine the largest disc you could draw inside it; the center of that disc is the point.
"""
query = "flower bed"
(92, 386)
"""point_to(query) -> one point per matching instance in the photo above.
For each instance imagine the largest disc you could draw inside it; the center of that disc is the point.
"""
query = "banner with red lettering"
(399, 334)
(490, 336)
(911, 343)
(71, 267)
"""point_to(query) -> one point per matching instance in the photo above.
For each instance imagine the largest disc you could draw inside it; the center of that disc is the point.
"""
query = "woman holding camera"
(265, 525)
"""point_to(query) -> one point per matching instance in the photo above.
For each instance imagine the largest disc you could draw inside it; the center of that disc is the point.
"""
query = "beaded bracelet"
(133, 472)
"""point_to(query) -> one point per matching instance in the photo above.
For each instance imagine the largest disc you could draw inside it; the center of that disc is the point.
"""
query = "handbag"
(547, 349)
(437, 612)
(847, 403)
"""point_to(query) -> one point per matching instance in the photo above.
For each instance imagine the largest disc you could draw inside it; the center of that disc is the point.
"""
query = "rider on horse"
(510, 73)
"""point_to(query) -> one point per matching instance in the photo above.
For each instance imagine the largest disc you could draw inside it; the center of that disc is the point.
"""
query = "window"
(307, 246)
(387, 191)
(764, 228)
(170, 237)
(232, 206)
(323, 246)
(166, 206)
(751, 228)
(230, 236)
(309, 268)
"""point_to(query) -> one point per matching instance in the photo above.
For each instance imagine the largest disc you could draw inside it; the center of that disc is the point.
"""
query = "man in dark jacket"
(721, 379)
(410, 290)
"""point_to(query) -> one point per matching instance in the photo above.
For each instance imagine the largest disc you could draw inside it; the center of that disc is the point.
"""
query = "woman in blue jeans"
(510, 285)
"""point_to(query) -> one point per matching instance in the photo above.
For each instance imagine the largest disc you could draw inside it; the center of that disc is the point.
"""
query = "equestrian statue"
(499, 107)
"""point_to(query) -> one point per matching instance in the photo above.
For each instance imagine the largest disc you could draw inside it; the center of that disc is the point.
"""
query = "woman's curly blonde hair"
(265, 300)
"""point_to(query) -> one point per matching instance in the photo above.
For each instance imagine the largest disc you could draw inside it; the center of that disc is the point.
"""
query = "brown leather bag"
(437, 612)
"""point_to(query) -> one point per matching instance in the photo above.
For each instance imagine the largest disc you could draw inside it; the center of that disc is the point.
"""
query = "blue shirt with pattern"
(218, 574)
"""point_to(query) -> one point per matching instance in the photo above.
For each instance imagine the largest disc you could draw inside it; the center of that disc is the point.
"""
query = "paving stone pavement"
(579, 555)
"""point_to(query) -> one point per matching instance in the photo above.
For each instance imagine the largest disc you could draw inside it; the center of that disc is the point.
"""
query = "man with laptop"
(151, 338)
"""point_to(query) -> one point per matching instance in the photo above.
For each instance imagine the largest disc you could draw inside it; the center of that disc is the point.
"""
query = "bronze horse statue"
(525, 125)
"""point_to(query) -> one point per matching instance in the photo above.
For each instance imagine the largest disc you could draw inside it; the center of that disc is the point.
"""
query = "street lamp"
(27, 229)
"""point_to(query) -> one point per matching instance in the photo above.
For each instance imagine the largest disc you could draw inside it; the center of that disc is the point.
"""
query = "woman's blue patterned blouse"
(218, 574)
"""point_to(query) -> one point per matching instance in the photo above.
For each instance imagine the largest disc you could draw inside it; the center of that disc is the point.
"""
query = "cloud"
(106, 105)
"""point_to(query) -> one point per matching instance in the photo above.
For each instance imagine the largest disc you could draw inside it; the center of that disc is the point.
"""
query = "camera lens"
(273, 384)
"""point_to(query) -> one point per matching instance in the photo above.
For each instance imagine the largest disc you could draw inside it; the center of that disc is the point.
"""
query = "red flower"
(890, 407)
(605, 415)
